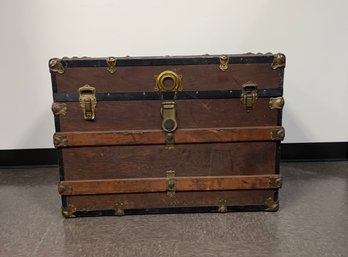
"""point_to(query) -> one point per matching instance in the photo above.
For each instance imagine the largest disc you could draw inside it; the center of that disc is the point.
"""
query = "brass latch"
(170, 174)
(169, 123)
(88, 101)
(249, 95)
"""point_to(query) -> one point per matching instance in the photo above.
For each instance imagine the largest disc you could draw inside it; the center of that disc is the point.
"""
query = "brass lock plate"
(169, 123)
(249, 95)
(88, 101)
(168, 81)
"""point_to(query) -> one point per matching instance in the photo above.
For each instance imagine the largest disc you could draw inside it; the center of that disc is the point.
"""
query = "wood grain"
(194, 77)
(147, 185)
(154, 137)
(199, 113)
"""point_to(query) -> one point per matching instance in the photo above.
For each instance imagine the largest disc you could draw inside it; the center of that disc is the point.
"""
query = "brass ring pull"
(168, 81)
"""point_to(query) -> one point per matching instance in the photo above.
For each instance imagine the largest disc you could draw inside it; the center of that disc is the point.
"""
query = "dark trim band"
(128, 96)
(166, 60)
(211, 209)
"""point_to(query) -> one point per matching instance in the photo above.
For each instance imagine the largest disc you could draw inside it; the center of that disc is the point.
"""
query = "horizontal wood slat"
(154, 137)
(153, 185)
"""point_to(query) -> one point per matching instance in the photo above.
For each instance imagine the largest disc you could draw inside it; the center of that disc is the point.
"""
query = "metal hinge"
(169, 123)
(276, 182)
(249, 95)
(223, 62)
(111, 64)
(88, 101)
(170, 174)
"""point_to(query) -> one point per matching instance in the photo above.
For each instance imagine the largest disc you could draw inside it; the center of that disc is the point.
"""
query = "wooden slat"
(182, 136)
(152, 185)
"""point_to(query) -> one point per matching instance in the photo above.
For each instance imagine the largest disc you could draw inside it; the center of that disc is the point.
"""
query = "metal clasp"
(170, 174)
(169, 123)
(249, 95)
(88, 101)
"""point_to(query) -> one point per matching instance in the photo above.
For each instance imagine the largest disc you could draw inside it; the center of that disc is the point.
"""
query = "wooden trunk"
(168, 134)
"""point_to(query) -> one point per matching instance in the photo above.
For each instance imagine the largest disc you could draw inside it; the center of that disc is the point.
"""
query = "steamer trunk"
(168, 134)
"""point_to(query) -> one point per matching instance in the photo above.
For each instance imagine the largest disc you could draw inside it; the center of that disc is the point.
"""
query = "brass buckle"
(88, 101)
(249, 95)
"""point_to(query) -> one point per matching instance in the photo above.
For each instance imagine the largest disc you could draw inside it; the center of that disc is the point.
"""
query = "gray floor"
(312, 221)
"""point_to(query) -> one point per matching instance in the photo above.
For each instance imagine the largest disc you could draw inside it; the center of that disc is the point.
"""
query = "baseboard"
(332, 151)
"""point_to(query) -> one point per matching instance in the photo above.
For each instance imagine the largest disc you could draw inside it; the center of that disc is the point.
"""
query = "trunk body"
(168, 134)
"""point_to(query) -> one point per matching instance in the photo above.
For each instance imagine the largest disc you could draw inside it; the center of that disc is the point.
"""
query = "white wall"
(313, 35)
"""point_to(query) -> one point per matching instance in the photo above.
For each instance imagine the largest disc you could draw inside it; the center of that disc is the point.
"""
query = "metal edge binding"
(64, 189)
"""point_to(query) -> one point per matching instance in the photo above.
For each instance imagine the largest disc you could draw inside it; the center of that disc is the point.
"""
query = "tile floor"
(312, 221)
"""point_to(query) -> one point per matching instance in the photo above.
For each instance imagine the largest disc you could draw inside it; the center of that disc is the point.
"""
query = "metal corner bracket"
(56, 66)
(276, 103)
(111, 64)
(59, 109)
(278, 61)
(60, 141)
(64, 189)
(69, 211)
(276, 182)
(271, 204)
(278, 134)
(224, 60)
